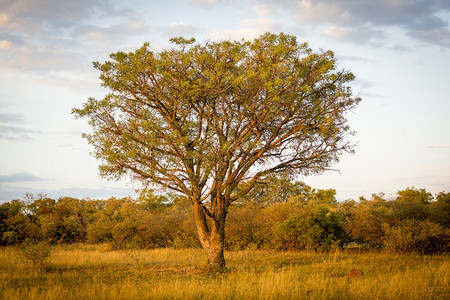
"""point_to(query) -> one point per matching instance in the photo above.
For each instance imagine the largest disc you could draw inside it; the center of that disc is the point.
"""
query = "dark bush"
(423, 237)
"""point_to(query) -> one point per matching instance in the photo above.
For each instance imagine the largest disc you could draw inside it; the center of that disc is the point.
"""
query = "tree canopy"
(210, 120)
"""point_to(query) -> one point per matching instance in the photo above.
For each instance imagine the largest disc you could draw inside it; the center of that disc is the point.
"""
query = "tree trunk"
(211, 232)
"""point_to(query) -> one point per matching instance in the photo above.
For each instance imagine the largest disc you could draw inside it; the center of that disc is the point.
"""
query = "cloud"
(66, 146)
(260, 24)
(5, 45)
(19, 177)
(265, 10)
(109, 35)
(374, 95)
(39, 16)
(181, 29)
(41, 59)
(353, 34)
(53, 36)
(439, 36)
(207, 3)
(12, 118)
(15, 133)
(400, 48)
(364, 21)
(250, 29)
(357, 58)
(69, 132)
(11, 129)
(364, 84)
(436, 147)
(411, 60)
(4, 19)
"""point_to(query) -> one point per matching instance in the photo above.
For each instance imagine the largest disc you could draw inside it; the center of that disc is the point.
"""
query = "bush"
(320, 229)
(35, 253)
(242, 227)
(366, 221)
(424, 237)
(292, 234)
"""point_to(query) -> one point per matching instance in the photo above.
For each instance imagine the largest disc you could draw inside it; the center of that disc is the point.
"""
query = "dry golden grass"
(96, 272)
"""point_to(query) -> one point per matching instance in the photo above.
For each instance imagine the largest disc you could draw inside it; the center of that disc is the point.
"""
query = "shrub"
(319, 229)
(35, 253)
(242, 227)
(367, 219)
(292, 234)
(411, 235)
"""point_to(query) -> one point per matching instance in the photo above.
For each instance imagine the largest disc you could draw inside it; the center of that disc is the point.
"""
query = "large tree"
(210, 120)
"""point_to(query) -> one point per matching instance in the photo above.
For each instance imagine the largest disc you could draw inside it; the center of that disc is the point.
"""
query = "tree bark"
(211, 233)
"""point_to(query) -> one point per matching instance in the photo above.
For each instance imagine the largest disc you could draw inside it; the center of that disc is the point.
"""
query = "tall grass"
(95, 272)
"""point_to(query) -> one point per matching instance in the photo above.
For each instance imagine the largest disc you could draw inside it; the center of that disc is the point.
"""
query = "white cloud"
(181, 29)
(4, 19)
(207, 3)
(250, 29)
(5, 45)
(178, 24)
(46, 59)
(262, 24)
(111, 35)
(265, 10)
(352, 34)
(204, 1)
(411, 60)
(341, 32)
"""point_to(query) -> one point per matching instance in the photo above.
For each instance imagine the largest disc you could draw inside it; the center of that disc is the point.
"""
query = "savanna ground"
(96, 272)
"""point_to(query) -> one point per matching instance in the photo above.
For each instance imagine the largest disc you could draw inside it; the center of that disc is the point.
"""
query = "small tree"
(203, 119)
(35, 253)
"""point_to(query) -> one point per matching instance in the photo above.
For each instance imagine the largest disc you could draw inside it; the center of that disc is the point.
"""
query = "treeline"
(278, 214)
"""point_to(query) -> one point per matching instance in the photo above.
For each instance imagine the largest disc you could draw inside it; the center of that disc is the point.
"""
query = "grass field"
(95, 272)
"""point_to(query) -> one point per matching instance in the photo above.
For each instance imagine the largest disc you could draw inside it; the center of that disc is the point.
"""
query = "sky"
(399, 51)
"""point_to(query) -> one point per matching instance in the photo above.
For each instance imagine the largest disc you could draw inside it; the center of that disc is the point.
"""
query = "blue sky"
(399, 51)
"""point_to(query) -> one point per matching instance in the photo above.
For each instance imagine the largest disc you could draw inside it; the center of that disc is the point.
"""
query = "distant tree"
(17, 224)
(151, 201)
(368, 219)
(274, 188)
(412, 203)
(440, 209)
(414, 195)
(8, 211)
(205, 119)
(110, 223)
